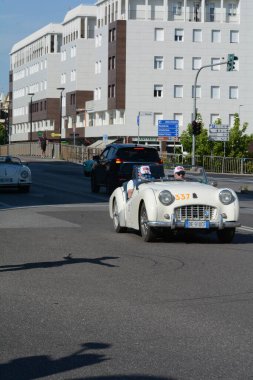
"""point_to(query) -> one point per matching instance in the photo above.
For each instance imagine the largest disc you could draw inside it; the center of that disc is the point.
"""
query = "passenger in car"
(144, 173)
(179, 173)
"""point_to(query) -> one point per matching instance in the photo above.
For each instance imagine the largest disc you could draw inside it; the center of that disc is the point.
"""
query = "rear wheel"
(147, 232)
(116, 222)
(94, 186)
(226, 235)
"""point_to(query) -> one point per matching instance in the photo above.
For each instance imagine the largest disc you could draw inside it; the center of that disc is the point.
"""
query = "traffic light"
(231, 62)
(196, 127)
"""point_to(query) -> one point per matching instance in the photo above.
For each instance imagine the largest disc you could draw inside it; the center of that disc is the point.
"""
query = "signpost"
(55, 134)
(218, 132)
(168, 130)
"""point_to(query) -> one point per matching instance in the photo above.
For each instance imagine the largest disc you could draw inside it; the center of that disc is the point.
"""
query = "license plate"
(197, 224)
(5, 180)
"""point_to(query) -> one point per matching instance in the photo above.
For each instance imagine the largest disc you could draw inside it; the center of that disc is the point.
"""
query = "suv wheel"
(94, 186)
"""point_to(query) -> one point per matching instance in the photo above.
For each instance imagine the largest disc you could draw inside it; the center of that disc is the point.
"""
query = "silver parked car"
(14, 174)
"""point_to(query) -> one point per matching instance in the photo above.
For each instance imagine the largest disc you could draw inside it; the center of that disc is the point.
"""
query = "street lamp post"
(60, 89)
(31, 94)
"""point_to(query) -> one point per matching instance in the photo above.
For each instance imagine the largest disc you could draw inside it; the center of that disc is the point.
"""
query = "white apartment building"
(77, 68)
(56, 65)
(34, 65)
(149, 52)
(141, 57)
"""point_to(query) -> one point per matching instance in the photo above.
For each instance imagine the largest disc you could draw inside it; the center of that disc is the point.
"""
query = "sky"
(20, 18)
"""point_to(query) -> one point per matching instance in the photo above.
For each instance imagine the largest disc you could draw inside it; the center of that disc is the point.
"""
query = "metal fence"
(81, 153)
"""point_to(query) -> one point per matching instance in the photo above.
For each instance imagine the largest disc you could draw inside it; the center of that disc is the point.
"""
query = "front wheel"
(116, 222)
(226, 235)
(147, 232)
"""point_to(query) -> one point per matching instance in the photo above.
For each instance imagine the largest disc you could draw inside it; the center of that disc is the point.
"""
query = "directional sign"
(55, 134)
(218, 132)
(168, 128)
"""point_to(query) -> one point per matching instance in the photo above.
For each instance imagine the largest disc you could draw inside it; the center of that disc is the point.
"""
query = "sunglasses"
(180, 173)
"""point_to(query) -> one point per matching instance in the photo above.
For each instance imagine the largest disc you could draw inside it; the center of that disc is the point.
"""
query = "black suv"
(115, 164)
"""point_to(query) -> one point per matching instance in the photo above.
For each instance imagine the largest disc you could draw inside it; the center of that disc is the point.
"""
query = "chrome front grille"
(195, 212)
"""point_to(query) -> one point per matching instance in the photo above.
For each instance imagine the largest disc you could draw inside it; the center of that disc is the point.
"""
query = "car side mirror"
(96, 158)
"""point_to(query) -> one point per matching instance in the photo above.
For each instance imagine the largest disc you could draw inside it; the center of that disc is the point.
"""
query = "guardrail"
(81, 153)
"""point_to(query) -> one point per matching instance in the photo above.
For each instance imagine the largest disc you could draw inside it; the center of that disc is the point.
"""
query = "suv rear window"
(137, 154)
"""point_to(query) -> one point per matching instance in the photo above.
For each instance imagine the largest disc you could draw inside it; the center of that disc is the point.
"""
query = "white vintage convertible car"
(13, 173)
(166, 205)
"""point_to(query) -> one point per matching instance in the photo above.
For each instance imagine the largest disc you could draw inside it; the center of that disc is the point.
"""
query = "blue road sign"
(168, 128)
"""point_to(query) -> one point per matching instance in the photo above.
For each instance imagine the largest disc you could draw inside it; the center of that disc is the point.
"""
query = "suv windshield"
(138, 154)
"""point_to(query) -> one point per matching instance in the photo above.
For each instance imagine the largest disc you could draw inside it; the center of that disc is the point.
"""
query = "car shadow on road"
(36, 367)
(67, 260)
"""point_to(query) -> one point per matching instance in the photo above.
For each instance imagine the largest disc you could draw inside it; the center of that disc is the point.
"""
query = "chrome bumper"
(174, 224)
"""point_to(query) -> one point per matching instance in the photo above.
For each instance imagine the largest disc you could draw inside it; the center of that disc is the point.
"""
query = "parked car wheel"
(94, 186)
(226, 235)
(147, 232)
(116, 223)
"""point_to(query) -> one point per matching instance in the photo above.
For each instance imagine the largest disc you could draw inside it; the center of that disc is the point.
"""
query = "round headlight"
(166, 198)
(226, 197)
(24, 174)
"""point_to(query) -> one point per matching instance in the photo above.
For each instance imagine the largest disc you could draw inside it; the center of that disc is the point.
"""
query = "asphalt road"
(79, 301)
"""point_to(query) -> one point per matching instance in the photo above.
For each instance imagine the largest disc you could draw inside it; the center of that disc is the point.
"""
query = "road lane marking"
(246, 228)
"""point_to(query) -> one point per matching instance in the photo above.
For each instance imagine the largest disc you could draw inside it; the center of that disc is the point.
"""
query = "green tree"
(237, 146)
(238, 143)
(202, 144)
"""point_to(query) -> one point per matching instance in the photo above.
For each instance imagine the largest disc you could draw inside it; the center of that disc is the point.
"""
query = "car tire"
(116, 223)
(94, 186)
(147, 232)
(226, 236)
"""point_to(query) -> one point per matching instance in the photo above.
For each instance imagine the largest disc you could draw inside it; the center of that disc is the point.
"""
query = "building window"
(177, 8)
(234, 36)
(111, 91)
(179, 35)
(157, 117)
(178, 91)
(216, 36)
(178, 63)
(159, 34)
(72, 99)
(233, 92)
(196, 63)
(215, 92)
(214, 117)
(232, 9)
(158, 91)
(197, 35)
(215, 61)
(112, 34)
(158, 63)
(198, 91)
(179, 117)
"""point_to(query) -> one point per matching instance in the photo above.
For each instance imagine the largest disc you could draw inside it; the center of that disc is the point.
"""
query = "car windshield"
(9, 160)
(138, 154)
(192, 174)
